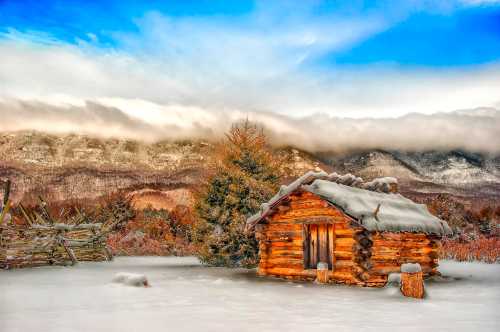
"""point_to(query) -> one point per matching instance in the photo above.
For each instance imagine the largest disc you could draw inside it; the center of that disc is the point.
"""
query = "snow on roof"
(375, 211)
(379, 211)
(284, 191)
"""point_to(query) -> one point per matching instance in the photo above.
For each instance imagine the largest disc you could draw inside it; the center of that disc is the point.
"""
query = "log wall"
(391, 250)
(281, 239)
(359, 257)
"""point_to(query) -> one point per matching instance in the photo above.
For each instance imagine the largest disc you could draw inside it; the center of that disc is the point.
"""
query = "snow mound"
(411, 268)
(131, 279)
(394, 279)
(380, 184)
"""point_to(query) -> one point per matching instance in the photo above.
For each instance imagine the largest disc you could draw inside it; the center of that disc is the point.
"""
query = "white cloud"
(475, 130)
(261, 62)
(479, 2)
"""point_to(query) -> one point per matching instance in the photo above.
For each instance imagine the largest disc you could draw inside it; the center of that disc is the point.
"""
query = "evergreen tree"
(245, 175)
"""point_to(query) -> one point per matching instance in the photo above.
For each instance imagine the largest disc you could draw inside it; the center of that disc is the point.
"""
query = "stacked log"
(391, 250)
(281, 237)
(362, 254)
(358, 256)
(46, 241)
(50, 245)
(344, 253)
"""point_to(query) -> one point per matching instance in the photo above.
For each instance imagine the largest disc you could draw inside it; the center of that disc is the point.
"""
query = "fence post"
(412, 281)
(322, 273)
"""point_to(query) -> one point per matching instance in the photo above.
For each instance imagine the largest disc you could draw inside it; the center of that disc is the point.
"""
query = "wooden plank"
(308, 213)
(342, 255)
(313, 246)
(400, 244)
(344, 242)
(305, 245)
(339, 232)
(273, 227)
(282, 255)
(284, 234)
(331, 246)
(69, 251)
(345, 276)
(280, 251)
(284, 243)
(323, 243)
(284, 260)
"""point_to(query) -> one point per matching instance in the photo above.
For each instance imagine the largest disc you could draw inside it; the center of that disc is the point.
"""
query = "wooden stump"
(412, 281)
(322, 273)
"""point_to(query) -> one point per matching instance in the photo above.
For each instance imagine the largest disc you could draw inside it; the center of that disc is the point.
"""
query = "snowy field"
(188, 297)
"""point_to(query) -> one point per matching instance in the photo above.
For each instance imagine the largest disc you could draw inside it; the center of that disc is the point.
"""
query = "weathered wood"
(296, 235)
(343, 254)
(331, 246)
(305, 245)
(282, 253)
(401, 260)
(412, 284)
(279, 227)
(313, 246)
(322, 273)
(26, 216)
(4, 212)
(323, 247)
(339, 232)
(310, 230)
(344, 242)
(285, 243)
(284, 260)
(48, 244)
(45, 213)
(6, 192)
(385, 269)
(68, 250)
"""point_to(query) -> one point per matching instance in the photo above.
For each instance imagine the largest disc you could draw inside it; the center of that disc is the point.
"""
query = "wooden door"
(319, 243)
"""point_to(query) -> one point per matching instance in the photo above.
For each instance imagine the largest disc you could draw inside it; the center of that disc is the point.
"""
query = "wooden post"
(69, 251)
(412, 281)
(6, 193)
(322, 273)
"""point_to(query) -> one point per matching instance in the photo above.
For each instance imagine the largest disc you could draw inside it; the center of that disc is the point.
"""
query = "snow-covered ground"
(186, 296)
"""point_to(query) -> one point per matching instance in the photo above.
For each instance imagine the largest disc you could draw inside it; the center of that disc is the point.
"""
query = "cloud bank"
(268, 61)
(175, 77)
(475, 130)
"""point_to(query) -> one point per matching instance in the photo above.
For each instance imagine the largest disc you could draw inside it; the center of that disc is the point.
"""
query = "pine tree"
(245, 175)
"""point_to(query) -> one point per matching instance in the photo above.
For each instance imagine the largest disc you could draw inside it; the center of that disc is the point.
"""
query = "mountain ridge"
(79, 166)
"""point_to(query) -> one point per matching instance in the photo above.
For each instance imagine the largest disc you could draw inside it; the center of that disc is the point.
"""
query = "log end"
(412, 284)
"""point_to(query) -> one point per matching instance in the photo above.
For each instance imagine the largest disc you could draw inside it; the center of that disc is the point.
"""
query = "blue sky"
(348, 58)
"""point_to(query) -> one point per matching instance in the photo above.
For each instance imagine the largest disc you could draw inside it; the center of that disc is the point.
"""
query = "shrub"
(151, 232)
(479, 248)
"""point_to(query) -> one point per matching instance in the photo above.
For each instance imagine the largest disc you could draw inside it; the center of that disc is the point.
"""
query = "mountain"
(81, 167)
(455, 171)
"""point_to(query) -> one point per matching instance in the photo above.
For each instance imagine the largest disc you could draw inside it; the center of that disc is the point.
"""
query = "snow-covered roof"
(374, 210)
(284, 191)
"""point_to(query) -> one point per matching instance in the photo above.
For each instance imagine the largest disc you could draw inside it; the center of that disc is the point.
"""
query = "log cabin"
(362, 230)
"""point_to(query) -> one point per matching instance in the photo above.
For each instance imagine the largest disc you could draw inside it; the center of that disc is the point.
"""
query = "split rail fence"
(43, 240)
